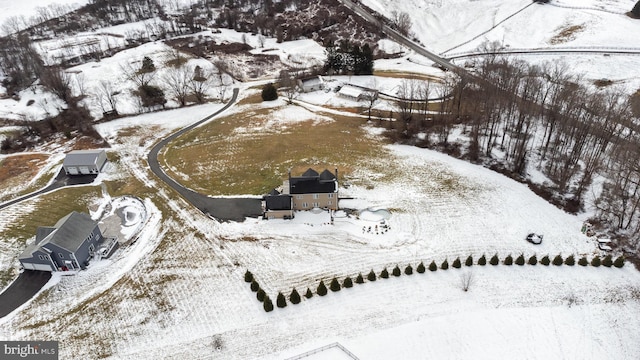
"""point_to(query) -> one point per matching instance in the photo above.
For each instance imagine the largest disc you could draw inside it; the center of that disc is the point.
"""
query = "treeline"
(519, 116)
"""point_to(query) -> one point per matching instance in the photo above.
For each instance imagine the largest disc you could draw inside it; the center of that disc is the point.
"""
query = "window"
(299, 197)
(315, 204)
(91, 247)
(315, 196)
(41, 257)
(61, 256)
(329, 202)
(330, 195)
(304, 205)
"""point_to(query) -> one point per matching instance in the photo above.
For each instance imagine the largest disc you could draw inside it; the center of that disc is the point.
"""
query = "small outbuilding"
(84, 162)
(68, 245)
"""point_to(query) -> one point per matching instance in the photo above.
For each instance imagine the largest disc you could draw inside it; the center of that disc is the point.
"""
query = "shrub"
(433, 266)
(294, 297)
(420, 269)
(456, 263)
(371, 276)
(347, 283)
(408, 270)
(607, 261)
(570, 260)
(335, 285)
(359, 279)
(520, 260)
(482, 261)
(494, 260)
(281, 301)
(267, 304)
(595, 261)
(248, 276)
(396, 271)
(445, 265)
(469, 261)
(322, 289)
(260, 295)
(558, 260)
(269, 92)
(583, 261)
(545, 260)
(508, 260)
(254, 286)
(384, 274)
(619, 262)
(308, 294)
(533, 260)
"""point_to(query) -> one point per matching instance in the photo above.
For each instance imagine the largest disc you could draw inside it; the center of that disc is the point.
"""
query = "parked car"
(535, 239)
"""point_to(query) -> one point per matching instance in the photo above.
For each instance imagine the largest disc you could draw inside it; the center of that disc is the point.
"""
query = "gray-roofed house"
(84, 162)
(66, 246)
(311, 190)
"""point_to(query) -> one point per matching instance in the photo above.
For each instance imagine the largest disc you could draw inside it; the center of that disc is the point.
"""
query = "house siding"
(308, 201)
(278, 214)
(46, 260)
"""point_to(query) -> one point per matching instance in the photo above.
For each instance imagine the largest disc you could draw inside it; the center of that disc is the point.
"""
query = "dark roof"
(43, 232)
(72, 230)
(278, 202)
(274, 192)
(327, 176)
(310, 173)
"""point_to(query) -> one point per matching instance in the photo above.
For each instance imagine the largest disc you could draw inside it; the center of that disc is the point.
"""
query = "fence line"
(323, 348)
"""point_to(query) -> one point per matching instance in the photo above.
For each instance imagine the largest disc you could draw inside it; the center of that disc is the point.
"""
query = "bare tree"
(56, 80)
(466, 280)
(178, 79)
(402, 21)
(106, 96)
(200, 83)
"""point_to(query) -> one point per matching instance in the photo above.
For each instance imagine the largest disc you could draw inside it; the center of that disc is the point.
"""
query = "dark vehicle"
(535, 239)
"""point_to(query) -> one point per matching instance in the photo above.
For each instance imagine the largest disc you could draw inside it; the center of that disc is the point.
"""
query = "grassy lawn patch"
(251, 152)
(17, 170)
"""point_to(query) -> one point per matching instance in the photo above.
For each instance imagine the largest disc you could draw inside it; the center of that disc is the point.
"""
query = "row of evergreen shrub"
(335, 285)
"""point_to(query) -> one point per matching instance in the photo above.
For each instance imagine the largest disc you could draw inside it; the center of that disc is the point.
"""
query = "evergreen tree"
(520, 260)
(558, 260)
(254, 286)
(308, 294)
(570, 260)
(420, 269)
(433, 266)
(396, 271)
(147, 65)
(469, 261)
(508, 260)
(494, 260)
(533, 260)
(482, 261)
(294, 297)
(269, 92)
(583, 261)
(456, 263)
(248, 276)
(408, 270)
(445, 265)
(371, 276)
(359, 279)
(281, 301)
(636, 10)
(151, 96)
(260, 295)
(347, 283)
(545, 260)
(607, 261)
(620, 260)
(384, 274)
(595, 261)
(335, 285)
(322, 289)
(267, 304)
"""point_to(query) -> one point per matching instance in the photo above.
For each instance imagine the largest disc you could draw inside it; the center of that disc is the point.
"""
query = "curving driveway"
(22, 289)
(224, 209)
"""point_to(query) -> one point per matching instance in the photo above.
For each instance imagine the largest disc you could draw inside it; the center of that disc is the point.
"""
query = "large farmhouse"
(84, 162)
(311, 190)
(66, 246)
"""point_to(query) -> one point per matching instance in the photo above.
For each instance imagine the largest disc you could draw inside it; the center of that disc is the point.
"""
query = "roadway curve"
(223, 209)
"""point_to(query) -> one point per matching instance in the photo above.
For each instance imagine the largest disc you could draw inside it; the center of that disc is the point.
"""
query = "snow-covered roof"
(350, 91)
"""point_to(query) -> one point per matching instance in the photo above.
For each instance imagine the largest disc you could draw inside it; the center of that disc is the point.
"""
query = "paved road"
(61, 180)
(224, 209)
(22, 289)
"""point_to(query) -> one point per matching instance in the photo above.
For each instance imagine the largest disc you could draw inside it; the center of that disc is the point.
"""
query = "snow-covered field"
(178, 291)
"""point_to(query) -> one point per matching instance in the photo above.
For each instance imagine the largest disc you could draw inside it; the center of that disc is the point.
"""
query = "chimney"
(336, 174)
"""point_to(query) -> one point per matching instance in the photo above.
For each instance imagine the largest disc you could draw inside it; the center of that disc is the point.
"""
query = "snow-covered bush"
(294, 297)
(482, 261)
(558, 260)
(322, 289)
(494, 260)
(334, 285)
(408, 270)
(281, 301)
(456, 263)
(508, 260)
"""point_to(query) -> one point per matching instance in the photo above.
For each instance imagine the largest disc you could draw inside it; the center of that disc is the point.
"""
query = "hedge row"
(335, 285)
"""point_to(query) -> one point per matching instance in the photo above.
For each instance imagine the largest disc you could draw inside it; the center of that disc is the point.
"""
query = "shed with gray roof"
(84, 162)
